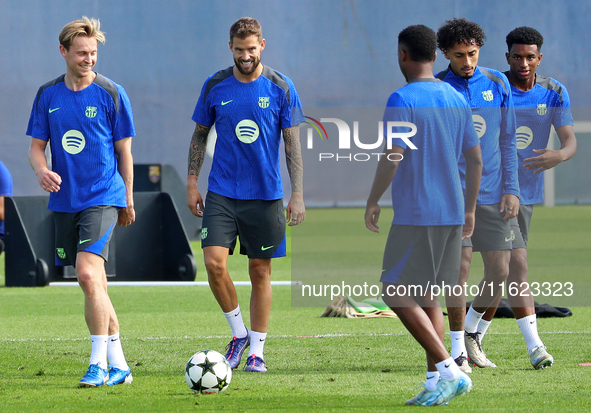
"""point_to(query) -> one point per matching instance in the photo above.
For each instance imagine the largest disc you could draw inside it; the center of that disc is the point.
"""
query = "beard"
(465, 76)
(255, 64)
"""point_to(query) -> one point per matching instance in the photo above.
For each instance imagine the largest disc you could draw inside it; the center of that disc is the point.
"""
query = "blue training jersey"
(546, 104)
(5, 189)
(426, 189)
(489, 95)
(248, 120)
(82, 128)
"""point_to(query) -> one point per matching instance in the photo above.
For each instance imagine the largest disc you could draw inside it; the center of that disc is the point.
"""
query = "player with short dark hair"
(540, 102)
(430, 215)
(488, 93)
(245, 27)
(526, 36)
(252, 106)
(87, 120)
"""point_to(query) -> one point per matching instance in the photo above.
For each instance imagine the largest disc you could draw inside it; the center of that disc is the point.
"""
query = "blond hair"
(85, 27)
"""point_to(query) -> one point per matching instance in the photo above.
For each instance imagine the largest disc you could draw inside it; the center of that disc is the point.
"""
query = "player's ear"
(445, 54)
(434, 57)
(539, 59)
(263, 43)
(402, 54)
(230, 45)
(507, 57)
(63, 50)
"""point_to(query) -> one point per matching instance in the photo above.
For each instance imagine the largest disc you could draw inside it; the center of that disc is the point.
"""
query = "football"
(208, 372)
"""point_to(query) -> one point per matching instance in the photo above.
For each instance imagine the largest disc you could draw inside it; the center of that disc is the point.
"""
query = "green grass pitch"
(316, 364)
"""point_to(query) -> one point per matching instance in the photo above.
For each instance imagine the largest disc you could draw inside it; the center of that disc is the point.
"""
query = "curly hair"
(421, 42)
(524, 35)
(459, 31)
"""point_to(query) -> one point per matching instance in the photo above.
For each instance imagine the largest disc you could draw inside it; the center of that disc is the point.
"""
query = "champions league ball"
(208, 372)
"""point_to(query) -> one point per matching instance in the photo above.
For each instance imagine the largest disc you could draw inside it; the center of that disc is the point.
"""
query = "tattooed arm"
(296, 211)
(196, 157)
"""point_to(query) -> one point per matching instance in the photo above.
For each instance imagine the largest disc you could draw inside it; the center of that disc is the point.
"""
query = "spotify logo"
(479, 125)
(247, 131)
(73, 142)
(524, 137)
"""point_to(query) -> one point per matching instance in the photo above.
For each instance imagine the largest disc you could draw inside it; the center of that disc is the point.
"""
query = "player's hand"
(295, 213)
(372, 215)
(468, 229)
(509, 205)
(195, 200)
(49, 180)
(126, 216)
(548, 159)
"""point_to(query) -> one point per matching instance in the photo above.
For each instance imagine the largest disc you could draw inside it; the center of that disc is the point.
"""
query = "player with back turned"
(88, 122)
(488, 93)
(430, 215)
(540, 102)
(252, 106)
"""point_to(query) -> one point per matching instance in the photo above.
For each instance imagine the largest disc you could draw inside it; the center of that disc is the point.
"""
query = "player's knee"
(214, 267)
(464, 272)
(259, 278)
(89, 280)
(259, 272)
(518, 267)
(498, 275)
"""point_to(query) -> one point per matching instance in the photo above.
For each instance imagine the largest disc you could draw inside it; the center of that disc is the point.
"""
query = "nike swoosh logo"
(261, 339)
(114, 339)
(225, 103)
(508, 239)
(429, 378)
(266, 248)
(82, 241)
(447, 365)
(53, 110)
(532, 322)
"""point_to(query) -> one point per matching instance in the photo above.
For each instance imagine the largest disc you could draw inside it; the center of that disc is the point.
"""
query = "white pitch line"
(169, 283)
(286, 336)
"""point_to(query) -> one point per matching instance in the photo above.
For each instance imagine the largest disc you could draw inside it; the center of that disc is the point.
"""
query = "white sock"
(431, 380)
(115, 353)
(458, 345)
(473, 317)
(98, 353)
(448, 369)
(236, 323)
(483, 325)
(257, 343)
(529, 329)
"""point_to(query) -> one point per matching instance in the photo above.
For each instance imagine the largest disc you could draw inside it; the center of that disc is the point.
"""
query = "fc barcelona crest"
(264, 102)
(542, 109)
(60, 253)
(154, 173)
(487, 95)
(91, 111)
